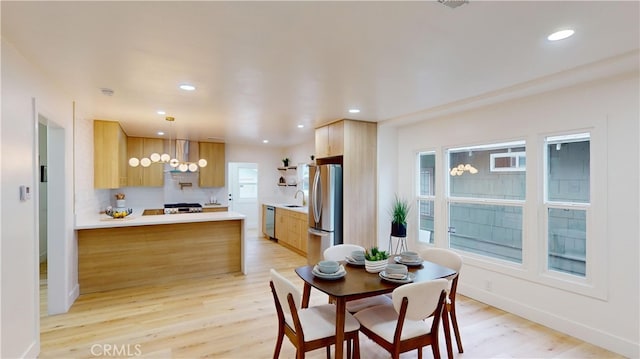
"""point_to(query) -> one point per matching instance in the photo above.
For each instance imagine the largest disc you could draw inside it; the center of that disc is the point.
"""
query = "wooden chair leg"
(276, 352)
(454, 322)
(356, 347)
(349, 349)
(447, 333)
(328, 351)
(420, 353)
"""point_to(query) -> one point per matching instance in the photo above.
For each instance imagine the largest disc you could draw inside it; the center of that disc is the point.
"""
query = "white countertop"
(301, 209)
(136, 218)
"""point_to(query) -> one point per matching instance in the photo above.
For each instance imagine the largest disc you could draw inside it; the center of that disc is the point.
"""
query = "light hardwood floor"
(233, 316)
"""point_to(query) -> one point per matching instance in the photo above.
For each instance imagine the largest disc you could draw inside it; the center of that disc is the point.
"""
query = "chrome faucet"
(304, 201)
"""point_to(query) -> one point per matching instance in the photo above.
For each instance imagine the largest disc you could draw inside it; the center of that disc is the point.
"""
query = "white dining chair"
(411, 322)
(308, 328)
(450, 259)
(338, 253)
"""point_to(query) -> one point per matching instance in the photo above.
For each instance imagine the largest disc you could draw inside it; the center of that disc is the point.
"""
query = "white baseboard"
(578, 330)
(73, 295)
(33, 350)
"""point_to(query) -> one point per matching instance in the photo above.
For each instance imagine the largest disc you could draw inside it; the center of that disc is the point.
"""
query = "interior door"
(243, 191)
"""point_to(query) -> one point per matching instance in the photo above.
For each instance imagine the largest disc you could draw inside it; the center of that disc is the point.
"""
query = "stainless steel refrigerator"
(325, 209)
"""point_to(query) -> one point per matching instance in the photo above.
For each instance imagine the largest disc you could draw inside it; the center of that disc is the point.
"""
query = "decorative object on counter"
(399, 213)
(120, 202)
(375, 260)
(312, 157)
(118, 212)
(282, 180)
(285, 161)
(182, 166)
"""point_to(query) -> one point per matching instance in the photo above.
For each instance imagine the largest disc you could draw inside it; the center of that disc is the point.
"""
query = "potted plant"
(285, 161)
(399, 213)
(375, 260)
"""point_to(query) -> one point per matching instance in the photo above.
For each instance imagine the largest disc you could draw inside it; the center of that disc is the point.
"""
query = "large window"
(486, 205)
(567, 200)
(426, 195)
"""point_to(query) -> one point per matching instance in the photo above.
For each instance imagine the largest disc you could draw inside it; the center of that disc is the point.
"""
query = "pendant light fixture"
(182, 166)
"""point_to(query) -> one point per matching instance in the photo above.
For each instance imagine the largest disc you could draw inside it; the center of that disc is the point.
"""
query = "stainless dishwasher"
(270, 221)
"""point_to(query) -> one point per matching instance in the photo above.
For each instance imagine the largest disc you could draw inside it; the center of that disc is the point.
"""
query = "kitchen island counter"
(89, 221)
(154, 249)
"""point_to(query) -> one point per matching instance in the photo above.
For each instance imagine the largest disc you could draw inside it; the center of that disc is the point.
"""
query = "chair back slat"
(423, 298)
(283, 287)
(340, 251)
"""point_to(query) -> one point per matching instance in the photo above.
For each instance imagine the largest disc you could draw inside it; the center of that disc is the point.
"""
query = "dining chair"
(404, 325)
(338, 253)
(308, 328)
(449, 259)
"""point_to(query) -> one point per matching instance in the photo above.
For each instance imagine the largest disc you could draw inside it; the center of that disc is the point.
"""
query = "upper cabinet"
(353, 145)
(213, 175)
(152, 176)
(109, 155)
(330, 140)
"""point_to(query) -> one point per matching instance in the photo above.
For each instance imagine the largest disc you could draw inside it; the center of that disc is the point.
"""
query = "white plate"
(398, 259)
(337, 275)
(354, 262)
(409, 279)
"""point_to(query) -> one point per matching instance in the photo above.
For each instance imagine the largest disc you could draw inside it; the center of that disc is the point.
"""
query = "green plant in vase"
(399, 214)
(375, 260)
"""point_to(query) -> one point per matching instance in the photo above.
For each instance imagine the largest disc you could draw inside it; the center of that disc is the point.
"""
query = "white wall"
(19, 298)
(607, 311)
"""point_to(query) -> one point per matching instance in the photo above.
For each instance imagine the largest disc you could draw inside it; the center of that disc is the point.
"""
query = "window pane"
(490, 230)
(567, 240)
(568, 172)
(426, 221)
(427, 173)
(473, 174)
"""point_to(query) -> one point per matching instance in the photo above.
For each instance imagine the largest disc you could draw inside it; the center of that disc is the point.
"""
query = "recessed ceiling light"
(560, 35)
(107, 91)
(160, 112)
(354, 110)
(187, 87)
(300, 126)
(160, 133)
(265, 141)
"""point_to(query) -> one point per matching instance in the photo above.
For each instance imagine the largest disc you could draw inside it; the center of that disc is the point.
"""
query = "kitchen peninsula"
(154, 249)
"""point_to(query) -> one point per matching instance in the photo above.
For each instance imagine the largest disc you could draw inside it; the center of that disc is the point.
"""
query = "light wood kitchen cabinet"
(109, 155)
(281, 224)
(359, 172)
(330, 140)
(152, 176)
(291, 230)
(213, 175)
(215, 209)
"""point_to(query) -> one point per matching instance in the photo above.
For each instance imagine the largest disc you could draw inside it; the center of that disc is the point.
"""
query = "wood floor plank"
(233, 316)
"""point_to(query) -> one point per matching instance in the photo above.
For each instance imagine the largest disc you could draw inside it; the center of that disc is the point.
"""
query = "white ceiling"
(262, 68)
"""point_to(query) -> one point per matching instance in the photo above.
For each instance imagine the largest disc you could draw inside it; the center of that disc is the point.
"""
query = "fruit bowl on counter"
(118, 212)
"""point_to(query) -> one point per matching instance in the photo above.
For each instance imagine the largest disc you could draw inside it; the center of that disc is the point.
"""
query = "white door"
(243, 191)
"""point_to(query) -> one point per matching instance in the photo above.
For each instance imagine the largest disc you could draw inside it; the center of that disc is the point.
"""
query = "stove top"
(182, 207)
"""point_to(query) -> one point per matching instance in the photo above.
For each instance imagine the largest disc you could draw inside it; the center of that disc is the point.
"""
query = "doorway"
(243, 191)
(51, 216)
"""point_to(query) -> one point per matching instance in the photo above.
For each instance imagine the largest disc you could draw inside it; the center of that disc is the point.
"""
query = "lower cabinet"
(291, 230)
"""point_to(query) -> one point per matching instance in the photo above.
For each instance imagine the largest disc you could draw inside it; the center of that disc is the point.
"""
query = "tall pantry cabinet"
(353, 144)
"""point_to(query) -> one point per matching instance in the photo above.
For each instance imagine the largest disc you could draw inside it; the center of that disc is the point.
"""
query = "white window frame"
(594, 284)
(547, 204)
(515, 160)
(419, 197)
(485, 201)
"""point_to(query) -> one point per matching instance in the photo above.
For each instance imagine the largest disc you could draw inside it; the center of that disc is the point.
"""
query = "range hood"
(187, 152)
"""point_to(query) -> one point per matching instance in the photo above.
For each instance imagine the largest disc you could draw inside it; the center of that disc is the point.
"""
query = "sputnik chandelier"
(155, 157)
